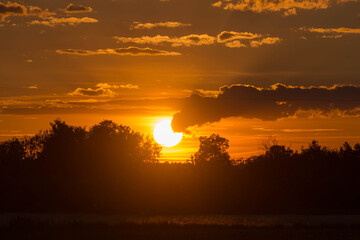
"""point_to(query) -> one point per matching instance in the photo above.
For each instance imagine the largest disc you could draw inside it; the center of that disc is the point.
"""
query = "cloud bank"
(228, 38)
(268, 104)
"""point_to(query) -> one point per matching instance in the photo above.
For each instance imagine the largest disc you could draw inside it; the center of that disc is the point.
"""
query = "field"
(91, 227)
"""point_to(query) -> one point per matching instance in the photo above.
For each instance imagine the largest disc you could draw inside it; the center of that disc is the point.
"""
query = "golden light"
(164, 134)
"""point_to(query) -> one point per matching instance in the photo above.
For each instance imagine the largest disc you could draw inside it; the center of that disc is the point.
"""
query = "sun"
(165, 136)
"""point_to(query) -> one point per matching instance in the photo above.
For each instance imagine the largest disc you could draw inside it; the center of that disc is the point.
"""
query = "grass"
(80, 227)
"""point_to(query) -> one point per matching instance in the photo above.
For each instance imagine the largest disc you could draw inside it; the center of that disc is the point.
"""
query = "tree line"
(112, 169)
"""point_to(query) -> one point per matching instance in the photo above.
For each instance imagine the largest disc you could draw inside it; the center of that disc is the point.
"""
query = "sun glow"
(164, 134)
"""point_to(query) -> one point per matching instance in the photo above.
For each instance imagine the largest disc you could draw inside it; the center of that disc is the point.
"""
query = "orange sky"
(138, 61)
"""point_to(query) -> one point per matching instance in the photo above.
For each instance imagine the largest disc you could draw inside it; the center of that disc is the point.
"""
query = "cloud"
(266, 41)
(336, 36)
(130, 51)
(33, 87)
(227, 36)
(235, 44)
(16, 9)
(129, 86)
(72, 8)
(114, 86)
(217, 4)
(8, 9)
(258, 6)
(332, 33)
(36, 11)
(72, 21)
(269, 104)
(289, 12)
(341, 30)
(300, 130)
(346, 1)
(89, 92)
(159, 24)
(189, 40)
(244, 39)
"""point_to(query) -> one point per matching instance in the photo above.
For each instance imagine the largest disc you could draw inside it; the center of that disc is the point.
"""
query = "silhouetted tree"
(121, 145)
(212, 151)
(62, 143)
(111, 168)
(12, 151)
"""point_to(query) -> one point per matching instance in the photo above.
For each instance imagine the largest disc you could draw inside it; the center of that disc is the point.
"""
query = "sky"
(245, 69)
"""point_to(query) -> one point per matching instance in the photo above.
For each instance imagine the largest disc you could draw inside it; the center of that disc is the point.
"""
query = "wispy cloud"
(235, 44)
(115, 86)
(36, 11)
(227, 36)
(138, 25)
(189, 40)
(130, 51)
(100, 91)
(333, 33)
(72, 21)
(342, 30)
(245, 39)
(258, 6)
(266, 41)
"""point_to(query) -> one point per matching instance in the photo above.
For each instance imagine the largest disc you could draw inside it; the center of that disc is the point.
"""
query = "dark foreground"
(192, 227)
(159, 233)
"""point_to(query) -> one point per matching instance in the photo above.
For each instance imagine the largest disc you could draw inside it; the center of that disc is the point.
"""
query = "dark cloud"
(12, 9)
(72, 8)
(92, 92)
(16, 9)
(274, 103)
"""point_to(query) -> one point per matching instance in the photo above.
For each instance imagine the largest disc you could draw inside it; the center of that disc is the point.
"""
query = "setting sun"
(165, 136)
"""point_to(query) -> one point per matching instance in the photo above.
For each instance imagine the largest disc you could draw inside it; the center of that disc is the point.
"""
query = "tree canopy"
(212, 151)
